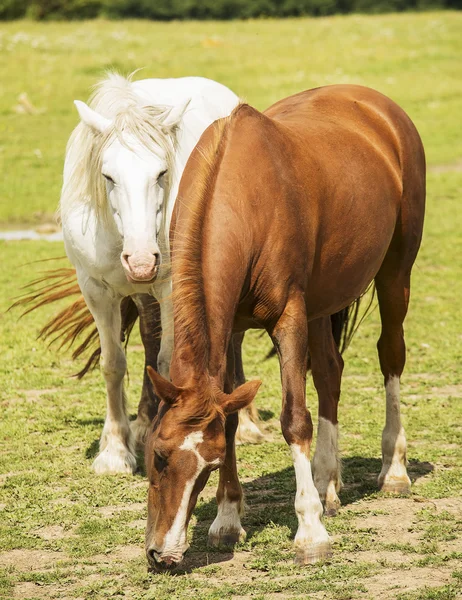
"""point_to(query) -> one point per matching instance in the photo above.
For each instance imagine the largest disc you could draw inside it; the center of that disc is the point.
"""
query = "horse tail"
(73, 321)
(345, 322)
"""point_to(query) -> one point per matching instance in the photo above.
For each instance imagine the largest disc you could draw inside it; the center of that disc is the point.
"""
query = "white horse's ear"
(176, 114)
(91, 117)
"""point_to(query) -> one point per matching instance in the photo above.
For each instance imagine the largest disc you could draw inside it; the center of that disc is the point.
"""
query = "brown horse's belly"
(336, 284)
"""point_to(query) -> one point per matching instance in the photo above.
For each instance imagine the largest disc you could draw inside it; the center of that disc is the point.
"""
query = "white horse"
(123, 166)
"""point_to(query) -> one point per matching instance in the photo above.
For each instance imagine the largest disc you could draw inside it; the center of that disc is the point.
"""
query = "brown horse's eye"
(160, 462)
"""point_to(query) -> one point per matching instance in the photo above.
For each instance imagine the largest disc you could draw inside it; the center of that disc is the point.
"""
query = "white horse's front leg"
(117, 452)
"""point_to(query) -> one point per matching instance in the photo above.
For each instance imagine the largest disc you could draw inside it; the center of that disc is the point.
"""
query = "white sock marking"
(227, 520)
(307, 504)
(326, 463)
(117, 451)
(393, 436)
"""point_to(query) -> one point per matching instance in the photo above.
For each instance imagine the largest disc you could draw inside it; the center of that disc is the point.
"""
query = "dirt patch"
(395, 518)
(110, 511)
(30, 560)
(379, 557)
(53, 532)
(446, 391)
(31, 590)
(33, 396)
(138, 524)
(452, 505)
(392, 520)
(388, 584)
(455, 166)
(125, 553)
(121, 554)
(27, 590)
(232, 565)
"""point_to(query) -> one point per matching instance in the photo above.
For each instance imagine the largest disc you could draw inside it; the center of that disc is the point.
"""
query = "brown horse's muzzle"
(161, 563)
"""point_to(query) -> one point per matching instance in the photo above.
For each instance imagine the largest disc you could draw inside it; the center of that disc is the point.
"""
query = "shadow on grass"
(270, 499)
(92, 450)
(265, 415)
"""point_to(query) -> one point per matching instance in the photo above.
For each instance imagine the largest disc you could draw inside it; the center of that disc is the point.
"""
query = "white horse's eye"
(109, 178)
(161, 174)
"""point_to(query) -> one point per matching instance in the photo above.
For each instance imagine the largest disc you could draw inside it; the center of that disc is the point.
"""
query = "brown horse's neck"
(200, 338)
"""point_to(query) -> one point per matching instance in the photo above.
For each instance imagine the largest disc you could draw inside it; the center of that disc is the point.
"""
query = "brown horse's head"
(186, 443)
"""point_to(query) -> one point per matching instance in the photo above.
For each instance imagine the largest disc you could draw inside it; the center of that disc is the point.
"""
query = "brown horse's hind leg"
(393, 294)
(226, 529)
(327, 368)
(290, 337)
(149, 313)
(248, 431)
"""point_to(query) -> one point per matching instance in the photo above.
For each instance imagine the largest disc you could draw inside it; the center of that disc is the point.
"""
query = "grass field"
(66, 533)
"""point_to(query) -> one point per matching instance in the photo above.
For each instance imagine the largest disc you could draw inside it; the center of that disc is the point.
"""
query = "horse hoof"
(248, 433)
(226, 538)
(116, 462)
(399, 487)
(331, 508)
(309, 555)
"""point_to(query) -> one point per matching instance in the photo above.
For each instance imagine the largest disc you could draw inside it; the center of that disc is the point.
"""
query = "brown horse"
(283, 218)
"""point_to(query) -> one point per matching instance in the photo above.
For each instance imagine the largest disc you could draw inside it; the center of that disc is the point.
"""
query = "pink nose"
(140, 266)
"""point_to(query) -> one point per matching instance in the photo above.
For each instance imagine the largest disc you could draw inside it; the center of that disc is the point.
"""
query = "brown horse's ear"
(240, 398)
(163, 388)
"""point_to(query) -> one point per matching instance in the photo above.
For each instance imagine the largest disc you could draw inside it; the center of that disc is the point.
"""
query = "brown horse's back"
(342, 165)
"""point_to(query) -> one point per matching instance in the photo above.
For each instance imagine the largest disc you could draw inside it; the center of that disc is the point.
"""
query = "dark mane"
(189, 316)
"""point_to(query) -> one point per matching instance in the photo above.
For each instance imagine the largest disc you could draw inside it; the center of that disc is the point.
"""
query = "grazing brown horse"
(283, 218)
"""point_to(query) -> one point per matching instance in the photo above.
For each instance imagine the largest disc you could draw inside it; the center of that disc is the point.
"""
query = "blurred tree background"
(167, 10)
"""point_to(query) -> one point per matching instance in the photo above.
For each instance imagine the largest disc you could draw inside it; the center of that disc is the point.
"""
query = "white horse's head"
(135, 158)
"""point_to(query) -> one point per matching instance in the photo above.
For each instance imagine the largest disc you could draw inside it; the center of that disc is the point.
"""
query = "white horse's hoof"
(312, 553)
(400, 486)
(115, 461)
(248, 432)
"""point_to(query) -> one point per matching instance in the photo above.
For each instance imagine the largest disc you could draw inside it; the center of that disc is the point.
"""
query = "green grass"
(414, 58)
(65, 533)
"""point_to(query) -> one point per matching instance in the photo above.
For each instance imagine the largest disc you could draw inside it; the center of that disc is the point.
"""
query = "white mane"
(131, 116)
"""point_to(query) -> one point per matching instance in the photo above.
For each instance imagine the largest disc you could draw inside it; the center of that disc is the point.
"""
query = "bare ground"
(395, 571)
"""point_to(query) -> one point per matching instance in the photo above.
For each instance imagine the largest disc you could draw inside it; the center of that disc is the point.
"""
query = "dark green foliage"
(13, 9)
(63, 9)
(167, 10)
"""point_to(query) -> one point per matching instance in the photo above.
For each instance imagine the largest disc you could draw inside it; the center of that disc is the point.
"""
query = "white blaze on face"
(136, 198)
(393, 436)
(326, 463)
(175, 541)
(307, 503)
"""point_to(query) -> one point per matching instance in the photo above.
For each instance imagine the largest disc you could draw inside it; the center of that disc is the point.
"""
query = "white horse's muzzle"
(140, 266)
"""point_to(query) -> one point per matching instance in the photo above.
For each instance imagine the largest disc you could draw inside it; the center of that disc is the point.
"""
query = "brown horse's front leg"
(290, 337)
(226, 529)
